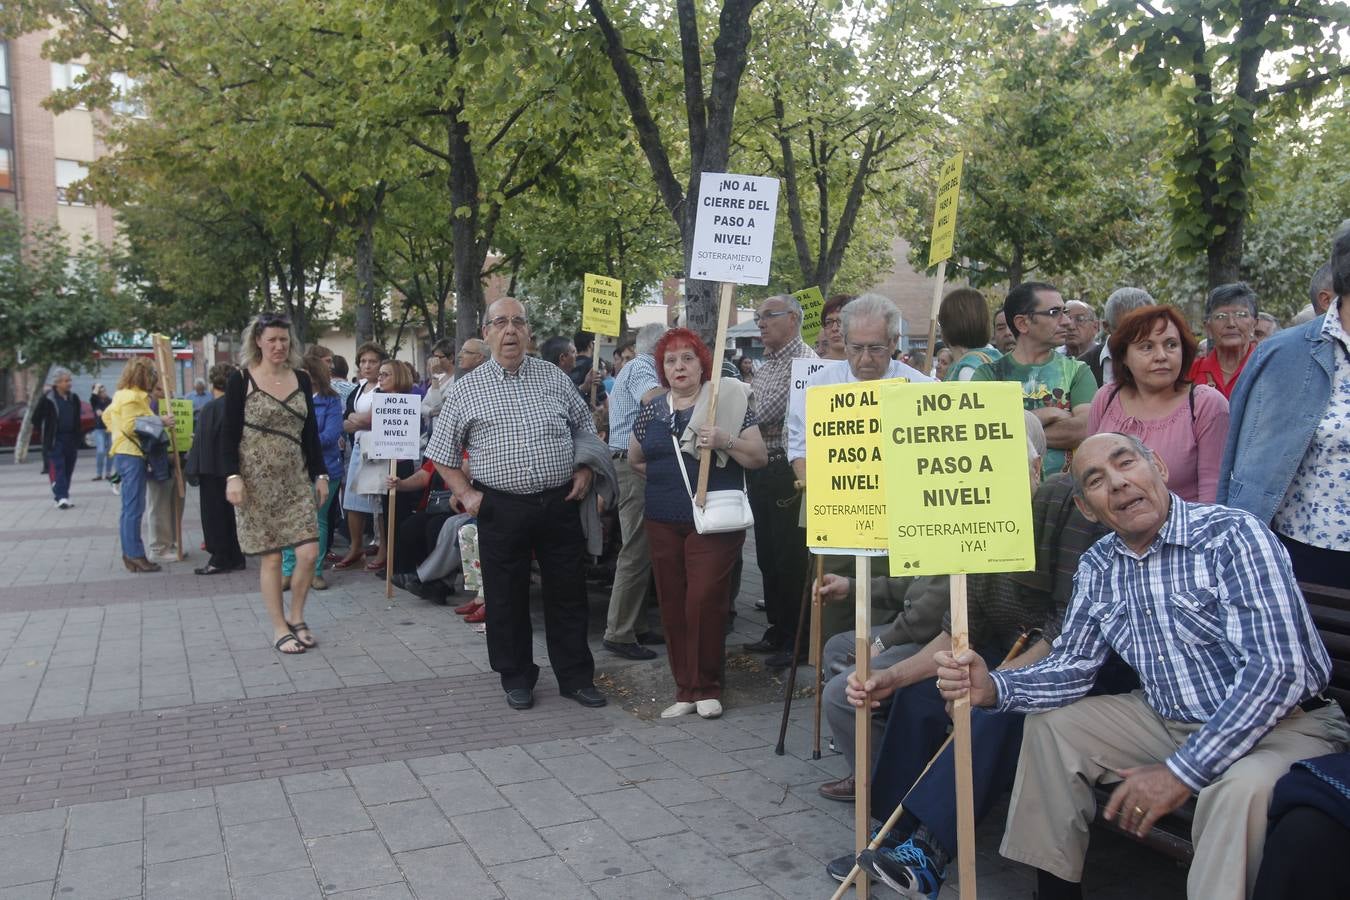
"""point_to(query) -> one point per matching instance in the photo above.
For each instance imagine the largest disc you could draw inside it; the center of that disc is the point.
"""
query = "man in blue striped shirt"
(1201, 601)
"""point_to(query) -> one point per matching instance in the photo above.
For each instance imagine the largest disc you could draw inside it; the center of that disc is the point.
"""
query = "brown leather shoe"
(841, 790)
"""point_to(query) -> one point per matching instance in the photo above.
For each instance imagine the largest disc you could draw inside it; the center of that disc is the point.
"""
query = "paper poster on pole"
(395, 427)
(845, 499)
(956, 478)
(601, 304)
(944, 212)
(182, 423)
(813, 304)
(733, 231)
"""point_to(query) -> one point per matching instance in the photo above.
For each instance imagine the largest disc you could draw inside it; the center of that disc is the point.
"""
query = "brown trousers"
(693, 587)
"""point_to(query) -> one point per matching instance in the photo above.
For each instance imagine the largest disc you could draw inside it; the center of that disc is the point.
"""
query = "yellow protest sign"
(601, 301)
(813, 303)
(956, 478)
(944, 212)
(182, 423)
(845, 503)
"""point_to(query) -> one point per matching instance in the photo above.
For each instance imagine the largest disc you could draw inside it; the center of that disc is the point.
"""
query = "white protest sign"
(733, 231)
(802, 370)
(395, 426)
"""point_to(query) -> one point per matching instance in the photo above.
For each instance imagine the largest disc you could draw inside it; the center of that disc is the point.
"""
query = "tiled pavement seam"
(80, 760)
(605, 816)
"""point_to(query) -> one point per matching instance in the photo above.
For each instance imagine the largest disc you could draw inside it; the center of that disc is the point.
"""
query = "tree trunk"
(470, 253)
(1015, 268)
(295, 300)
(365, 281)
(1224, 254)
(26, 427)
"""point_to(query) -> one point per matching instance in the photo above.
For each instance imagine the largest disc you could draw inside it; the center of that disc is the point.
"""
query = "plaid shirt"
(771, 384)
(517, 427)
(637, 377)
(1209, 616)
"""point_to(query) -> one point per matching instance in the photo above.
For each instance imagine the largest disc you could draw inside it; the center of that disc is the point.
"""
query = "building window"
(65, 76)
(6, 170)
(68, 173)
(5, 108)
(126, 96)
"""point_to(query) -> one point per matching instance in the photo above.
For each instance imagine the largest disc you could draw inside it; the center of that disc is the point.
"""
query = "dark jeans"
(415, 539)
(218, 524)
(780, 545)
(1317, 565)
(511, 529)
(61, 464)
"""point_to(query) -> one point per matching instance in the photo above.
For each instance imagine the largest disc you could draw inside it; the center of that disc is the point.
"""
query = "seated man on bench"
(1202, 603)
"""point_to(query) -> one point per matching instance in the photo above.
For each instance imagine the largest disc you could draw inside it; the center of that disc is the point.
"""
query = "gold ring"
(1138, 811)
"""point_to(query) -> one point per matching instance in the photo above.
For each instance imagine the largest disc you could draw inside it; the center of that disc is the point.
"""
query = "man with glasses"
(520, 419)
(780, 543)
(1056, 389)
(1083, 328)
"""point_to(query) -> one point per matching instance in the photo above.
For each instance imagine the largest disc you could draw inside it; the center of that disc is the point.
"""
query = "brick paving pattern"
(152, 745)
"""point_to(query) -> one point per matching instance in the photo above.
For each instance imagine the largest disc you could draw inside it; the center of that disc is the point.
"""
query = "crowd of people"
(1184, 481)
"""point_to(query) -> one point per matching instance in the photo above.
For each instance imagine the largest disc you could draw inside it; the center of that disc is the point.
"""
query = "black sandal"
(282, 642)
(295, 631)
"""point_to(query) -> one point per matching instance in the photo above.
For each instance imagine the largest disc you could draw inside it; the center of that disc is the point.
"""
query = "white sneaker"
(65, 503)
(677, 709)
(709, 709)
(57, 504)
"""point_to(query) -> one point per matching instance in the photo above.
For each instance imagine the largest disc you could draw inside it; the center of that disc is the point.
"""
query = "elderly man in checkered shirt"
(517, 417)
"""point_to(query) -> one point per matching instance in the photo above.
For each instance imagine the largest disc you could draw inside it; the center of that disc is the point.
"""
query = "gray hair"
(1321, 281)
(1121, 301)
(250, 354)
(1340, 260)
(791, 302)
(1267, 317)
(59, 372)
(647, 336)
(1036, 445)
(871, 306)
(1239, 293)
(1139, 446)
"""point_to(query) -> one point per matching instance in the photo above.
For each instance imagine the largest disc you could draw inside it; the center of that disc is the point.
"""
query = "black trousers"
(1300, 862)
(780, 544)
(1317, 565)
(414, 539)
(511, 529)
(218, 527)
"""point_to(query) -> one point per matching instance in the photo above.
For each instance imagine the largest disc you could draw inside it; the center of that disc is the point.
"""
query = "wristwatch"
(877, 645)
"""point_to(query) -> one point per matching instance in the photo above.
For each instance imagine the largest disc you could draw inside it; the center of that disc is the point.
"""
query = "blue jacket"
(1280, 397)
(328, 414)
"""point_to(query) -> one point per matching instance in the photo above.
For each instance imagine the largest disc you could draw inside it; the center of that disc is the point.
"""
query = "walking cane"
(817, 654)
(796, 651)
(1018, 646)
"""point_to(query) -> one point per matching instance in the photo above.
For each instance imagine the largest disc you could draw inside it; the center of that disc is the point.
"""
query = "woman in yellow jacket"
(132, 400)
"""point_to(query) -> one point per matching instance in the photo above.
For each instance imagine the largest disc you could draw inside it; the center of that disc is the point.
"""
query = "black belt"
(776, 455)
(540, 498)
(1315, 702)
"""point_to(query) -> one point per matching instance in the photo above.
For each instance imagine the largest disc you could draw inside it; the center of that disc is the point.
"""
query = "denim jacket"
(1276, 406)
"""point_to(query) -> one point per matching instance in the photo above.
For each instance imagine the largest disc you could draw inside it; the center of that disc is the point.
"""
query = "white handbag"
(723, 511)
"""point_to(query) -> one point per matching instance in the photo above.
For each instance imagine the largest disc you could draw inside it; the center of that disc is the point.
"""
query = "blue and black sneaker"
(839, 867)
(906, 869)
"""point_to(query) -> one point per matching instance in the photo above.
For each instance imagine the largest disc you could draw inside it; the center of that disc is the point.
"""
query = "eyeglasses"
(869, 349)
(1083, 319)
(503, 321)
(832, 322)
(760, 317)
(273, 320)
(1222, 318)
(1053, 312)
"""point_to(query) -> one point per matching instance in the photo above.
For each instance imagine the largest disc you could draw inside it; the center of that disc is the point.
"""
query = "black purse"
(439, 503)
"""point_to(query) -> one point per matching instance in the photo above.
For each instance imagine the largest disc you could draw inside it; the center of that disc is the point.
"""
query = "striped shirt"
(637, 377)
(1211, 619)
(771, 384)
(517, 427)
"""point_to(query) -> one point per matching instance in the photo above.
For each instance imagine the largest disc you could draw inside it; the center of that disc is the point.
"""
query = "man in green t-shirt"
(1055, 388)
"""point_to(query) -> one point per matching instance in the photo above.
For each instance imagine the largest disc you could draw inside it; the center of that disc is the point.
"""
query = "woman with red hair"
(692, 570)
(1183, 423)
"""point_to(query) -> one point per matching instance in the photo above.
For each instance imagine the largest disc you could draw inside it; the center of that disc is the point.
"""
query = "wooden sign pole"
(965, 798)
(163, 357)
(862, 754)
(715, 380)
(389, 534)
(933, 315)
(816, 652)
(595, 365)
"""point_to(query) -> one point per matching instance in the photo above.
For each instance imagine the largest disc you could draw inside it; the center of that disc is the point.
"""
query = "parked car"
(11, 418)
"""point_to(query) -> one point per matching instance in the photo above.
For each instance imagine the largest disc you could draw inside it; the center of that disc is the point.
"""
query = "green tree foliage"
(55, 302)
(1211, 61)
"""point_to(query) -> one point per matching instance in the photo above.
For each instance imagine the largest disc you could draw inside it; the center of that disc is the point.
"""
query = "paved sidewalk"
(152, 745)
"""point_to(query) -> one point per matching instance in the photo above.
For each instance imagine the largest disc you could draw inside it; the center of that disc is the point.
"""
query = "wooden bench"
(1330, 608)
